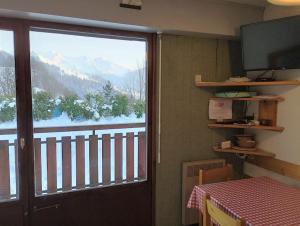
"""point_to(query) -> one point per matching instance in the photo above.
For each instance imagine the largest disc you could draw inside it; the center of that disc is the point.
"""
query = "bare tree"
(135, 83)
(130, 85)
(141, 80)
(7, 78)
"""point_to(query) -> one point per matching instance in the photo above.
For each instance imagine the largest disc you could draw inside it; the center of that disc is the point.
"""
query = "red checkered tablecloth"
(261, 201)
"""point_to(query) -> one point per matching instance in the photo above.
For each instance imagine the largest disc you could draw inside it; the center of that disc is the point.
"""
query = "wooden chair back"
(216, 175)
(212, 212)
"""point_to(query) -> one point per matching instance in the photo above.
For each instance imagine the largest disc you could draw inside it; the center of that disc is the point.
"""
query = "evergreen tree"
(43, 106)
(120, 105)
(7, 109)
(108, 92)
(76, 109)
(96, 103)
(139, 108)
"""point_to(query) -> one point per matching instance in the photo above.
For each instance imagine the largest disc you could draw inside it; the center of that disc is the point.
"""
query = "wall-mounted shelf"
(255, 98)
(236, 84)
(246, 126)
(258, 152)
(267, 110)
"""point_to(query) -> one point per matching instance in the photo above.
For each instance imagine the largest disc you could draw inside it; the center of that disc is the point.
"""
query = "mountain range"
(62, 75)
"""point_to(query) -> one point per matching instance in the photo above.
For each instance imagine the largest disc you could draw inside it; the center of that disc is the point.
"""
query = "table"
(261, 201)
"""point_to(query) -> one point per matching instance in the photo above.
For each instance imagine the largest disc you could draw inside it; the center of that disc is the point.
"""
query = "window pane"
(8, 121)
(89, 110)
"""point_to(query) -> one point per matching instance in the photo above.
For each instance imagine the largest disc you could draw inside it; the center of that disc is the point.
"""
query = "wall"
(196, 16)
(184, 114)
(273, 12)
(285, 145)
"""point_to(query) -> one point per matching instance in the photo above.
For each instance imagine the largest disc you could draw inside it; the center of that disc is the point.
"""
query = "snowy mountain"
(6, 59)
(123, 79)
(83, 64)
(59, 81)
(61, 75)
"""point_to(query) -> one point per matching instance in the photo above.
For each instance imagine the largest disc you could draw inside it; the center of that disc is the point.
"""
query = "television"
(271, 45)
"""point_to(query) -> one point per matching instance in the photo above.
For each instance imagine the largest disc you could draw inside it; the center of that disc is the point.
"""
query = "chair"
(215, 175)
(212, 212)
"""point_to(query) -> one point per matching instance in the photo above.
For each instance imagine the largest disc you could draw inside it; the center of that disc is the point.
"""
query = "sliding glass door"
(13, 195)
(90, 120)
(76, 126)
(90, 108)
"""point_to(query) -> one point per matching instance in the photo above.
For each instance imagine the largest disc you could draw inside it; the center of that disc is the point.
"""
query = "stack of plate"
(235, 94)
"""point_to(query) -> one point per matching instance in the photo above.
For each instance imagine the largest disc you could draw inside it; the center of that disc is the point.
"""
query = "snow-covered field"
(63, 120)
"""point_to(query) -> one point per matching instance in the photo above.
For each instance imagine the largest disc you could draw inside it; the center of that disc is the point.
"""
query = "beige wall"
(273, 12)
(197, 16)
(285, 145)
(184, 114)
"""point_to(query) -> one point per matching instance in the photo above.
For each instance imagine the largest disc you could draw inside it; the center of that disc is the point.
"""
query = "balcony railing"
(80, 157)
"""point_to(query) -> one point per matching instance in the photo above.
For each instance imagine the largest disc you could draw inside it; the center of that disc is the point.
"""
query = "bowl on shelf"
(245, 137)
(245, 140)
(246, 143)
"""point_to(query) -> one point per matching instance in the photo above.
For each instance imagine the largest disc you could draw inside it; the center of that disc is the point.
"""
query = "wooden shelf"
(235, 84)
(258, 152)
(246, 126)
(255, 98)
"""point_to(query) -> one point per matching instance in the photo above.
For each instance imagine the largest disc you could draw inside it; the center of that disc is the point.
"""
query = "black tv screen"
(271, 45)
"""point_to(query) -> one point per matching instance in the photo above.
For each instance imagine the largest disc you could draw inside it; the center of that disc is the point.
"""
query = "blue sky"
(122, 52)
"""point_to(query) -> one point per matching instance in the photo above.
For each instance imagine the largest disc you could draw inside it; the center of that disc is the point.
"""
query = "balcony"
(77, 157)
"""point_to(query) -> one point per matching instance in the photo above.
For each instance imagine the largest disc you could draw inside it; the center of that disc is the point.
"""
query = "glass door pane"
(8, 120)
(89, 98)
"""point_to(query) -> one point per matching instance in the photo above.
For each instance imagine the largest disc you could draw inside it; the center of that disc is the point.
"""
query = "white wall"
(197, 16)
(285, 145)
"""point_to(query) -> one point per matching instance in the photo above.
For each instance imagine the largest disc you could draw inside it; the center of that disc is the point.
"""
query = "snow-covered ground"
(63, 120)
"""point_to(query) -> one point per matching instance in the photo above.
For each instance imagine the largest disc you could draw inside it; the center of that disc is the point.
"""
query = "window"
(89, 103)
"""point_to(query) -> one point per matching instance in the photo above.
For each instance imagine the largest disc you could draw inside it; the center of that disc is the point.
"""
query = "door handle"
(22, 143)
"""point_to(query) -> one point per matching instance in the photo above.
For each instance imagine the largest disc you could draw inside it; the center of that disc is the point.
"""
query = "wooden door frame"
(17, 27)
(22, 49)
